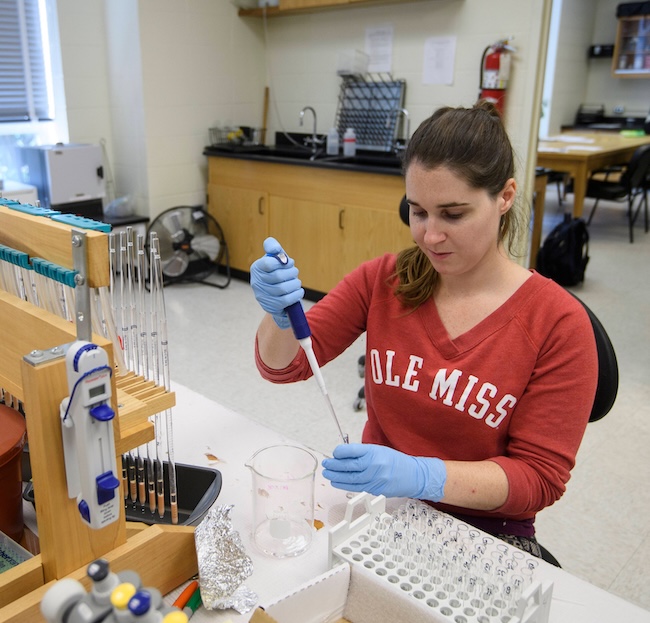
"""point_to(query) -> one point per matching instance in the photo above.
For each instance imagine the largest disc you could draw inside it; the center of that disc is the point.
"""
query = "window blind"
(23, 79)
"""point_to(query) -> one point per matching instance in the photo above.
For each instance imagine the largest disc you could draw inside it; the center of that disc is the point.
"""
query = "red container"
(12, 439)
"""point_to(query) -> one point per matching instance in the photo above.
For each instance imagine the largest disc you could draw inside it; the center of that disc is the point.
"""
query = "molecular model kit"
(113, 598)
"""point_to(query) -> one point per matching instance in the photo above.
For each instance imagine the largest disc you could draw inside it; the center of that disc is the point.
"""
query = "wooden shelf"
(293, 7)
(632, 48)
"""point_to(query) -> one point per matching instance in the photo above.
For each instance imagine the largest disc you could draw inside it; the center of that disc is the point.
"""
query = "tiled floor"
(599, 530)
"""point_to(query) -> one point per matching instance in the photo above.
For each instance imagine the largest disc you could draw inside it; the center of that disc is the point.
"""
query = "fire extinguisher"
(495, 73)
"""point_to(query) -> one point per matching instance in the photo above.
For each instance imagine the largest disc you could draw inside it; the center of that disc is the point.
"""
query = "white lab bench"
(204, 429)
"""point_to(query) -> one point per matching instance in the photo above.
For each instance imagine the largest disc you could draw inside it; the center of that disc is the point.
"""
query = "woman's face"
(456, 226)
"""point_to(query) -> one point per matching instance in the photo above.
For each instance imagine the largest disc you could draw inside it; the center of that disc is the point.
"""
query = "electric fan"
(192, 246)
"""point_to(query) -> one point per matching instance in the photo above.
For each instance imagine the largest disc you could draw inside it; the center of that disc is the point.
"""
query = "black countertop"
(285, 152)
(612, 124)
(372, 162)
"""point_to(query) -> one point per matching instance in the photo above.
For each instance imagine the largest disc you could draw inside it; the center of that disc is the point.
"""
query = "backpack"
(565, 252)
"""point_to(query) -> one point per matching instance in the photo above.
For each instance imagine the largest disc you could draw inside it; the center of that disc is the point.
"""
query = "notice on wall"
(379, 48)
(438, 63)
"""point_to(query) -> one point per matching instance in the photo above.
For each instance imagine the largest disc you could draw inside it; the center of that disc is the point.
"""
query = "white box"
(25, 193)
(65, 173)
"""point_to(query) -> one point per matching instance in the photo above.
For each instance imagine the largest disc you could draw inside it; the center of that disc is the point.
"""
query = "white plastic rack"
(459, 573)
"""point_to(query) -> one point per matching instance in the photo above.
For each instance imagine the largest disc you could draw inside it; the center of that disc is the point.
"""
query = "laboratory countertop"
(207, 434)
(228, 439)
(365, 161)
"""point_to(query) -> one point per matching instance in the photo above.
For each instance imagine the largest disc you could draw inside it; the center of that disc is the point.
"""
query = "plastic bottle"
(332, 142)
(349, 143)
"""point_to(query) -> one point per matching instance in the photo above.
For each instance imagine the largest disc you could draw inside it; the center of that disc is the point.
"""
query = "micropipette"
(301, 330)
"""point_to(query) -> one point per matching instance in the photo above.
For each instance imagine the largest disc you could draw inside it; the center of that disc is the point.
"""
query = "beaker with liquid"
(283, 499)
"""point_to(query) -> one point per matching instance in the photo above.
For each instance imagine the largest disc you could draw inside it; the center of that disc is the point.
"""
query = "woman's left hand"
(384, 471)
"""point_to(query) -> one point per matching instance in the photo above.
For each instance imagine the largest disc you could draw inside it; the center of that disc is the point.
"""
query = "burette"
(144, 360)
(159, 301)
(160, 359)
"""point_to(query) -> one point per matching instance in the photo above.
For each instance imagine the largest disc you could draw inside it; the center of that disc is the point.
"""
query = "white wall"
(570, 76)
(150, 77)
(602, 87)
(83, 56)
(580, 80)
(152, 81)
(303, 53)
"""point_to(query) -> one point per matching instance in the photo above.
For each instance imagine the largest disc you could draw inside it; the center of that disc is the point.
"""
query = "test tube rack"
(33, 371)
(456, 573)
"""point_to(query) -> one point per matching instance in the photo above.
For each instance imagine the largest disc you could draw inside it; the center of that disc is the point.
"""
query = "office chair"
(608, 376)
(632, 185)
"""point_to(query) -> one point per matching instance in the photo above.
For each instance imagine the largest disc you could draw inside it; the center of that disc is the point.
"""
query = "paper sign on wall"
(438, 64)
(379, 48)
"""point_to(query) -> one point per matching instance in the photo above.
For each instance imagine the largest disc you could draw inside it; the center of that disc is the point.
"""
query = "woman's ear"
(508, 194)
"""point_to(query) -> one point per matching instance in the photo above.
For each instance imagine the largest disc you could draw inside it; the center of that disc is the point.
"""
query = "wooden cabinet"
(243, 217)
(309, 231)
(632, 48)
(328, 220)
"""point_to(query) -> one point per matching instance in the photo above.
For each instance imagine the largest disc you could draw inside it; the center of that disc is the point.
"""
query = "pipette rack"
(455, 572)
(33, 371)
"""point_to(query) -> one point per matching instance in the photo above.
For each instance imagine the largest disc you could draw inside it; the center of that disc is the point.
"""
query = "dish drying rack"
(370, 104)
(455, 572)
(34, 373)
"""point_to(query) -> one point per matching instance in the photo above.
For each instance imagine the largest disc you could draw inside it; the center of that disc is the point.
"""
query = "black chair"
(559, 178)
(608, 376)
(632, 185)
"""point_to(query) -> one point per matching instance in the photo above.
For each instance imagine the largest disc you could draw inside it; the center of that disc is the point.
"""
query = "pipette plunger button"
(106, 485)
(102, 412)
(84, 510)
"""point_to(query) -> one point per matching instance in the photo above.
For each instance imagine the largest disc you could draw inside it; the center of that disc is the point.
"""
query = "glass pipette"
(301, 330)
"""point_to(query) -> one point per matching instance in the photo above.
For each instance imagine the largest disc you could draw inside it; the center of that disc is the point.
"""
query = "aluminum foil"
(223, 563)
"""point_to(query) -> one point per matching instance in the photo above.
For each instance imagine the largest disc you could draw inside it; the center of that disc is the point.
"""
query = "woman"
(481, 373)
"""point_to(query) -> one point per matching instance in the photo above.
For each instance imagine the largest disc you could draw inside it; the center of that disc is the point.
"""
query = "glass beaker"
(283, 499)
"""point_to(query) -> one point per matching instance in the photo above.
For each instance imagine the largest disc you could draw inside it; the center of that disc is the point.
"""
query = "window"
(32, 99)
(25, 73)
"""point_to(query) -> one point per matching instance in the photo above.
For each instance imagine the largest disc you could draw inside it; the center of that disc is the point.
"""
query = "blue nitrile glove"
(276, 285)
(383, 471)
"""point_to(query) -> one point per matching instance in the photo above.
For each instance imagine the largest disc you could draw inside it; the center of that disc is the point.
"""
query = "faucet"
(405, 114)
(314, 140)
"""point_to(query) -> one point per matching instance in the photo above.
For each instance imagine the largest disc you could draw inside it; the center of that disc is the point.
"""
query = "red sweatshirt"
(516, 389)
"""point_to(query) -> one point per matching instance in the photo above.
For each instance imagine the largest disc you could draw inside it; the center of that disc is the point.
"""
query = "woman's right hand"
(275, 283)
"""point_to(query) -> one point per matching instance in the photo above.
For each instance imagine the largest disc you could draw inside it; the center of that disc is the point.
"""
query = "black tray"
(197, 487)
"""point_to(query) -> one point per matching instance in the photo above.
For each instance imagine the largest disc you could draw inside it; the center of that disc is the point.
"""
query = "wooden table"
(579, 153)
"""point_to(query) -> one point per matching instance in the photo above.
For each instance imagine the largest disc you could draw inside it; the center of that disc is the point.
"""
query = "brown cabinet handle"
(341, 212)
(260, 205)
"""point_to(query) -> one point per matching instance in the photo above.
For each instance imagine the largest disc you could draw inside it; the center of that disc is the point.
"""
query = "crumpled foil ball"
(223, 563)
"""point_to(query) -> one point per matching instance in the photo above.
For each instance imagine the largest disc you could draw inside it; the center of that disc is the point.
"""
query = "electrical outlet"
(619, 110)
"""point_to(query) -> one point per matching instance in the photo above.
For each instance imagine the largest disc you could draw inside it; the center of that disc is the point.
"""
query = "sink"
(386, 161)
(292, 152)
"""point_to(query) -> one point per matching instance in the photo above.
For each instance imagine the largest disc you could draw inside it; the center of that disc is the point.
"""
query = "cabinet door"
(632, 48)
(369, 233)
(243, 216)
(309, 231)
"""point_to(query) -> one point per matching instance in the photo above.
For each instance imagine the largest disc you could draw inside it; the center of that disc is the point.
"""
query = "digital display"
(98, 390)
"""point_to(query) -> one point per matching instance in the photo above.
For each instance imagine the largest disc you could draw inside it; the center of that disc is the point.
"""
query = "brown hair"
(473, 144)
